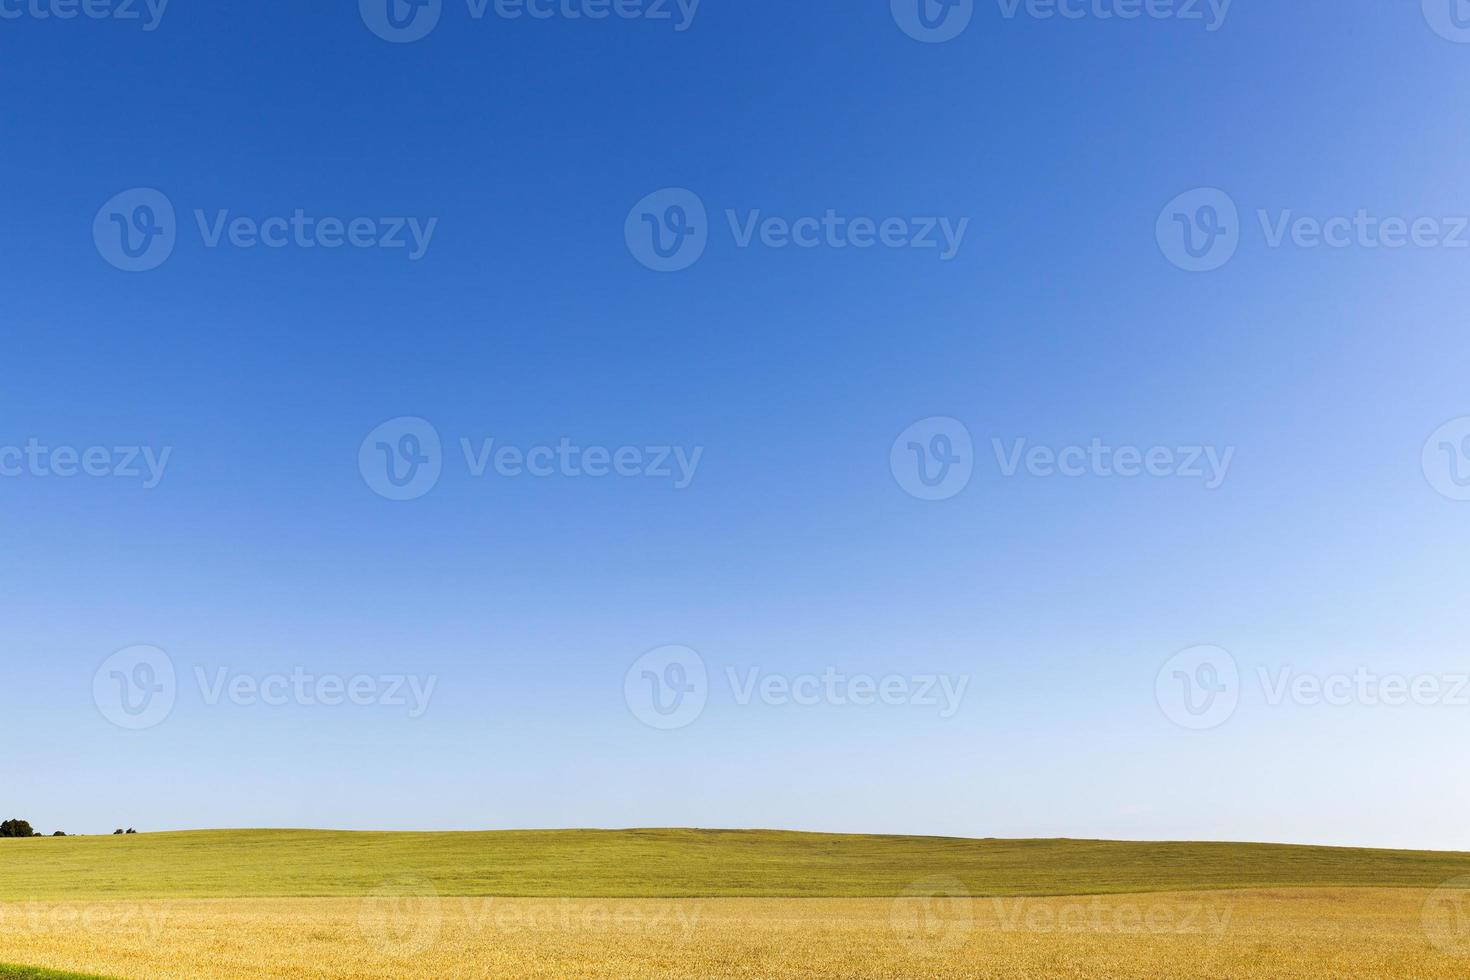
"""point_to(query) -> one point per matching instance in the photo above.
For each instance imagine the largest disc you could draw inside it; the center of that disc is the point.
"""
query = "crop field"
(672, 863)
(391, 906)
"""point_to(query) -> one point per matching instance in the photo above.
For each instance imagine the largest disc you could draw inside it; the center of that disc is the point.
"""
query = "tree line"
(23, 828)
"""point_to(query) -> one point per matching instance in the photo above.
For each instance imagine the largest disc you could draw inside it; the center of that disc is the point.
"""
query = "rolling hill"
(673, 864)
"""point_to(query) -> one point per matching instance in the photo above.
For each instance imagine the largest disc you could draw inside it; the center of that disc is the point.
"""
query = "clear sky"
(796, 543)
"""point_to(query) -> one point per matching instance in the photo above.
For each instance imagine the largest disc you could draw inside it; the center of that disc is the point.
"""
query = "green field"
(27, 973)
(671, 863)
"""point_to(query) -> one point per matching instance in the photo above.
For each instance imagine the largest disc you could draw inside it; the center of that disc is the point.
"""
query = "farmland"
(665, 904)
(672, 863)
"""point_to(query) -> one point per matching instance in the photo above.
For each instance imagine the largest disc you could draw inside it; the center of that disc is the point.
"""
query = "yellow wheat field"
(405, 930)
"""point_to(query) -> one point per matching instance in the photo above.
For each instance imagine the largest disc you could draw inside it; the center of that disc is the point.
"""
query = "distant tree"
(17, 828)
(131, 830)
(117, 831)
(59, 833)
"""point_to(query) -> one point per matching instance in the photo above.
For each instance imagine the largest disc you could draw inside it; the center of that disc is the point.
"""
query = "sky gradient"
(798, 545)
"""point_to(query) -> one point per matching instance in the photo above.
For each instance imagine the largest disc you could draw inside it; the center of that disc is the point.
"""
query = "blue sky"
(264, 549)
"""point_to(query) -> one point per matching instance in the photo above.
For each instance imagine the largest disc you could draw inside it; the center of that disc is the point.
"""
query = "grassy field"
(29, 973)
(663, 904)
(671, 863)
(1311, 934)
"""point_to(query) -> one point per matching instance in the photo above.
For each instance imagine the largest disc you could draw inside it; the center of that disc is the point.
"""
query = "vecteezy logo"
(667, 688)
(401, 21)
(933, 915)
(1199, 230)
(1446, 459)
(401, 459)
(1449, 18)
(136, 230)
(933, 459)
(135, 688)
(933, 21)
(1199, 688)
(401, 918)
(1446, 917)
(668, 230)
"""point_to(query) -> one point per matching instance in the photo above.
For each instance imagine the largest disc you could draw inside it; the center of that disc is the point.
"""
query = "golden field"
(404, 929)
(220, 905)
